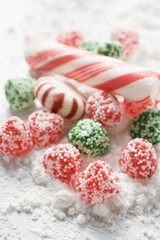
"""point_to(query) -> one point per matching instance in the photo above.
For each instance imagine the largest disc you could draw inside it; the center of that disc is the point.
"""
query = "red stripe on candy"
(46, 94)
(145, 100)
(74, 109)
(58, 102)
(80, 75)
(81, 69)
(58, 62)
(39, 88)
(41, 56)
(94, 73)
(126, 79)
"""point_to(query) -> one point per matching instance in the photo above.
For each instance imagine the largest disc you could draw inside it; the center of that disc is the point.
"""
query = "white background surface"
(20, 19)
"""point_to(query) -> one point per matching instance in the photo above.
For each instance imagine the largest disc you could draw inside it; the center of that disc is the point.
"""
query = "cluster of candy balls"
(89, 137)
(121, 45)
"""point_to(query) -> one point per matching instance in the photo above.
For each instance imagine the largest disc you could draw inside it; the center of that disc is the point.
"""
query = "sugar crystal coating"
(89, 137)
(97, 182)
(62, 162)
(20, 92)
(111, 49)
(70, 38)
(91, 46)
(104, 108)
(139, 159)
(15, 137)
(47, 127)
(147, 126)
(128, 38)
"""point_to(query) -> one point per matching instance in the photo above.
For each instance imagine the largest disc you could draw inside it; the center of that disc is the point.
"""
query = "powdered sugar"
(47, 200)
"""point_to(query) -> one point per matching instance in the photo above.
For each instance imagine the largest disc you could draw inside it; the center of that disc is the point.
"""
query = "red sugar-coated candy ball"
(104, 108)
(62, 162)
(15, 137)
(97, 182)
(71, 38)
(128, 38)
(139, 159)
(47, 127)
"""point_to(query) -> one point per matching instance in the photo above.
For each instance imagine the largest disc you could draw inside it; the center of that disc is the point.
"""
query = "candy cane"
(135, 84)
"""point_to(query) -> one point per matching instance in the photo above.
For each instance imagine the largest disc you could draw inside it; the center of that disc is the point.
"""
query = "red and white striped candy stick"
(59, 97)
(135, 84)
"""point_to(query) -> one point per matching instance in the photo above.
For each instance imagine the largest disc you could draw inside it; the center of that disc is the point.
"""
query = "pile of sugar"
(34, 206)
(47, 201)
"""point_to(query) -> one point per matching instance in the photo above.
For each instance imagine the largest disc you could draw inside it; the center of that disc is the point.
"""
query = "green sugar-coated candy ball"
(112, 49)
(20, 92)
(89, 137)
(91, 46)
(147, 126)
